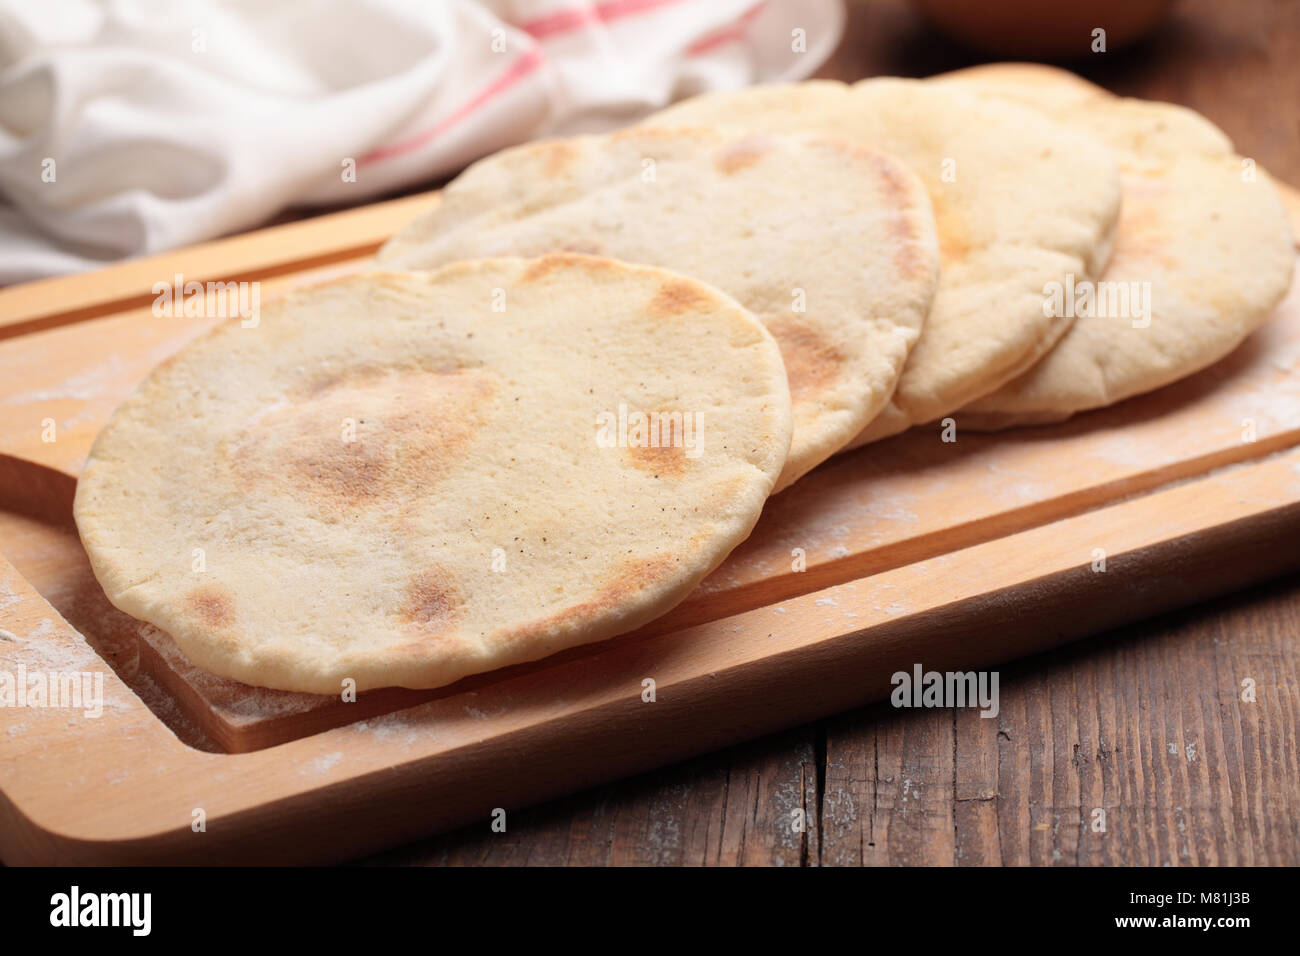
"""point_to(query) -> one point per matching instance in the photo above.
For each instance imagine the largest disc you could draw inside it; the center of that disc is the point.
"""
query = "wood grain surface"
(1142, 723)
(1134, 722)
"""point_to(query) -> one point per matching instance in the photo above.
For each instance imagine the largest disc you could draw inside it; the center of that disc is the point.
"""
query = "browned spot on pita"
(629, 578)
(540, 268)
(954, 241)
(351, 473)
(1142, 235)
(728, 491)
(366, 438)
(907, 247)
(899, 195)
(742, 154)
(811, 362)
(679, 297)
(556, 156)
(661, 443)
(432, 602)
(667, 461)
(211, 605)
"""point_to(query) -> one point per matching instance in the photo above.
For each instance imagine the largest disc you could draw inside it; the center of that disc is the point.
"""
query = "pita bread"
(395, 482)
(1048, 89)
(1019, 200)
(1209, 247)
(831, 246)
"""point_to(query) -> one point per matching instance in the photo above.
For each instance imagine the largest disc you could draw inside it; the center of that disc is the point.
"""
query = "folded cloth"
(132, 126)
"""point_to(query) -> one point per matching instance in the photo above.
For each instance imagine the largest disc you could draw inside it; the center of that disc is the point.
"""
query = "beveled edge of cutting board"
(261, 254)
(122, 788)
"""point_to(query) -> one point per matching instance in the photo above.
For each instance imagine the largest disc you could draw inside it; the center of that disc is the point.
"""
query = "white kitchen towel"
(132, 126)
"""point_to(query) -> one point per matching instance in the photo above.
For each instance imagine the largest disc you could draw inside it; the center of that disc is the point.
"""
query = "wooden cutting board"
(912, 551)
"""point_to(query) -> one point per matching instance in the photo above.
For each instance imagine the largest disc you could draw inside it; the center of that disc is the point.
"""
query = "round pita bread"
(1018, 199)
(1203, 254)
(832, 246)
(407, 478)
(1048, 89)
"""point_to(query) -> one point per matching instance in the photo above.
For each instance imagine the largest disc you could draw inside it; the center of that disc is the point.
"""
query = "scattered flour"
(324, 764)
(80, 387)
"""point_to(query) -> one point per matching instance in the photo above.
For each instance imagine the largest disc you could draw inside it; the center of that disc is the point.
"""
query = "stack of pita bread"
(564, 395)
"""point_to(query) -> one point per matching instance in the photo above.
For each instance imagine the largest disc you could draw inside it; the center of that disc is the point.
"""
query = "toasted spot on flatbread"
(742, 154)
(666, 460)
(540, 268)
(212, 605)
(812, 362)
(728, 491)
(898, 192)
(954, 240)
(679, 298)
(908, 251)
(431, 602)
(1143, 233)
(631, 577)
(359, 437)
(556, 156)
(626, 580)
(350, 473)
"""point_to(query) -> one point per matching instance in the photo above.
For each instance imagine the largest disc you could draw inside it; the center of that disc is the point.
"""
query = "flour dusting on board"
(44, 648)
(7, 597)
(80, 387)
(323, 764)
(237, 702)
(405, 727)
(53, 649)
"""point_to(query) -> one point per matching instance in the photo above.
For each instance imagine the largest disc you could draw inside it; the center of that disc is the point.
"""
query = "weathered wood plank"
(727, 809)
(1085, 727)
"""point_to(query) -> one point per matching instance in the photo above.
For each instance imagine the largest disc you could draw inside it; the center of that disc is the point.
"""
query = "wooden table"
(1141, 723)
